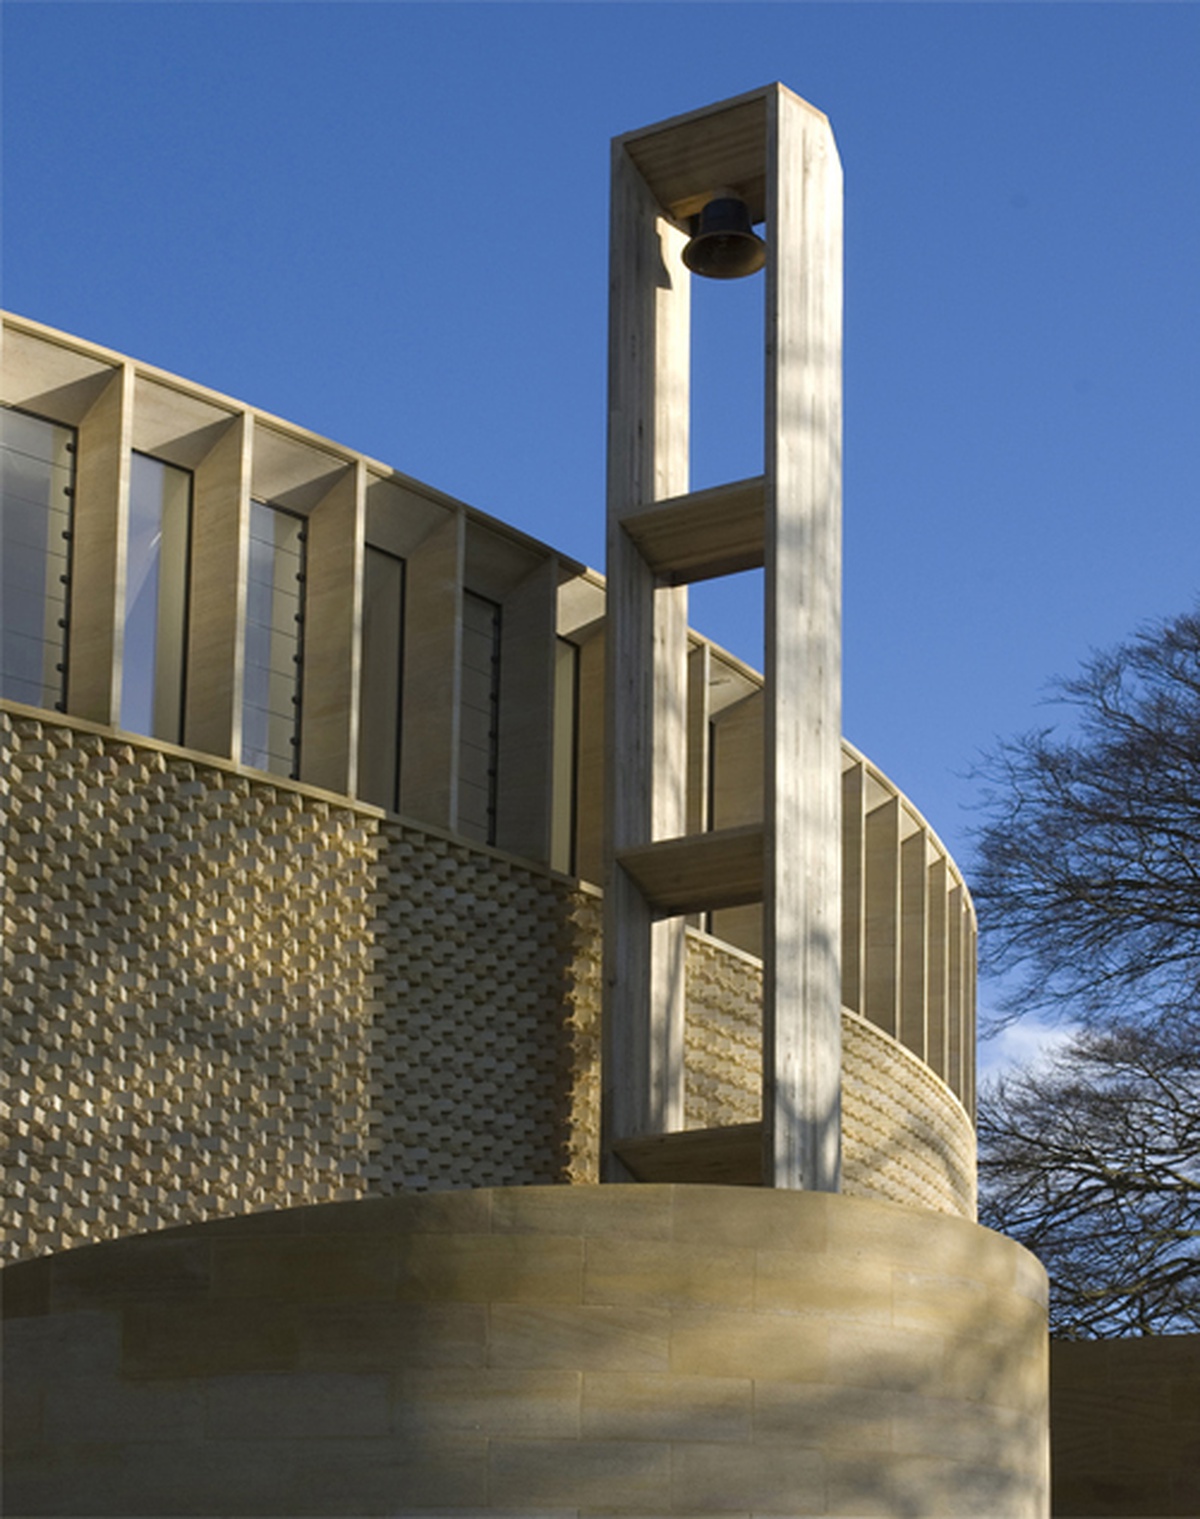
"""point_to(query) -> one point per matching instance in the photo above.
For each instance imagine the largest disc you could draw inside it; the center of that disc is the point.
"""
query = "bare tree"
(1087, 877)
(1087, 882)
(1091, 1158)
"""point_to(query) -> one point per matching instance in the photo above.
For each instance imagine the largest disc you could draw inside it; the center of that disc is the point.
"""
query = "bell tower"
(685, 196)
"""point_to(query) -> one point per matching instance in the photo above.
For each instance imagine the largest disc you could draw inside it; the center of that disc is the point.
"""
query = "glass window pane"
(382, 664)
(37, 476)
(274, 641)
(566, 739)
(479, 719)
(157, 548)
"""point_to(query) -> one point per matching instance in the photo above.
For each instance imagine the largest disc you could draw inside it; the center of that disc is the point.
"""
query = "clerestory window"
(274, 646)
(381, 680)
(157, 573)
(479, 741)
(37, 488)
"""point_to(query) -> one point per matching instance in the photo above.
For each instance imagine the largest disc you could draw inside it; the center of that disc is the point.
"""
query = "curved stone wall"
(224, 992)
(565, 1350)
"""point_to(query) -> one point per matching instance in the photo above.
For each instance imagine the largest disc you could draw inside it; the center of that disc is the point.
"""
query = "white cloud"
(1020, 1044)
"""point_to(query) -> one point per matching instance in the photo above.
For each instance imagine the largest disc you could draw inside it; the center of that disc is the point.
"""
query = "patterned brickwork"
(905, 1139)
(222, 993)
(723, 1063)
(476, 1072)
(184, 992)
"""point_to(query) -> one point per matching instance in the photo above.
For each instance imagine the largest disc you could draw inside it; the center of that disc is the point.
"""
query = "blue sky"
(388, 222)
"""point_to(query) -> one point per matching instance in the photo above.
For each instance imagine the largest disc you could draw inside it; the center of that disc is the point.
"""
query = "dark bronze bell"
(723, 245)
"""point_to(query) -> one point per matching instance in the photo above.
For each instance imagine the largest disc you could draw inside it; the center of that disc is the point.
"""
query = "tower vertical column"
(646, 663)
(803, 599)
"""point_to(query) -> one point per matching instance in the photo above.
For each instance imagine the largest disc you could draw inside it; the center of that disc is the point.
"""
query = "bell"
(724, 246)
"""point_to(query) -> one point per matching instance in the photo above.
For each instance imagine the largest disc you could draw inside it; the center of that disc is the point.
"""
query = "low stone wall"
(561, 1350)
(221, 992)
(1126, 1421)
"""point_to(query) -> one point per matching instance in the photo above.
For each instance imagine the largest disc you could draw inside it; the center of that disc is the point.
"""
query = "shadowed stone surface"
(551, 1350)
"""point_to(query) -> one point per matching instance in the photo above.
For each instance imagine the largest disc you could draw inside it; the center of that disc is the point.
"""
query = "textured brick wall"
(221, 993)
(905, 1139)
(485, 1043)
(184, 994)
(723, 1077)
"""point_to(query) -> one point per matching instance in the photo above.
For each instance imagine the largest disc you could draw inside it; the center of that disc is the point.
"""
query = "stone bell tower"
(775, 155)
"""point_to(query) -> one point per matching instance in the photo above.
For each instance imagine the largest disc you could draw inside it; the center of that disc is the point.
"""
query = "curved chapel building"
(321, 1157)
(305, 771)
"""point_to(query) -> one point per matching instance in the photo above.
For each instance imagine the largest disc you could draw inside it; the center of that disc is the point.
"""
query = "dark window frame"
(373, 548)
(297, 698)
(189, 566)
(67, 579)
